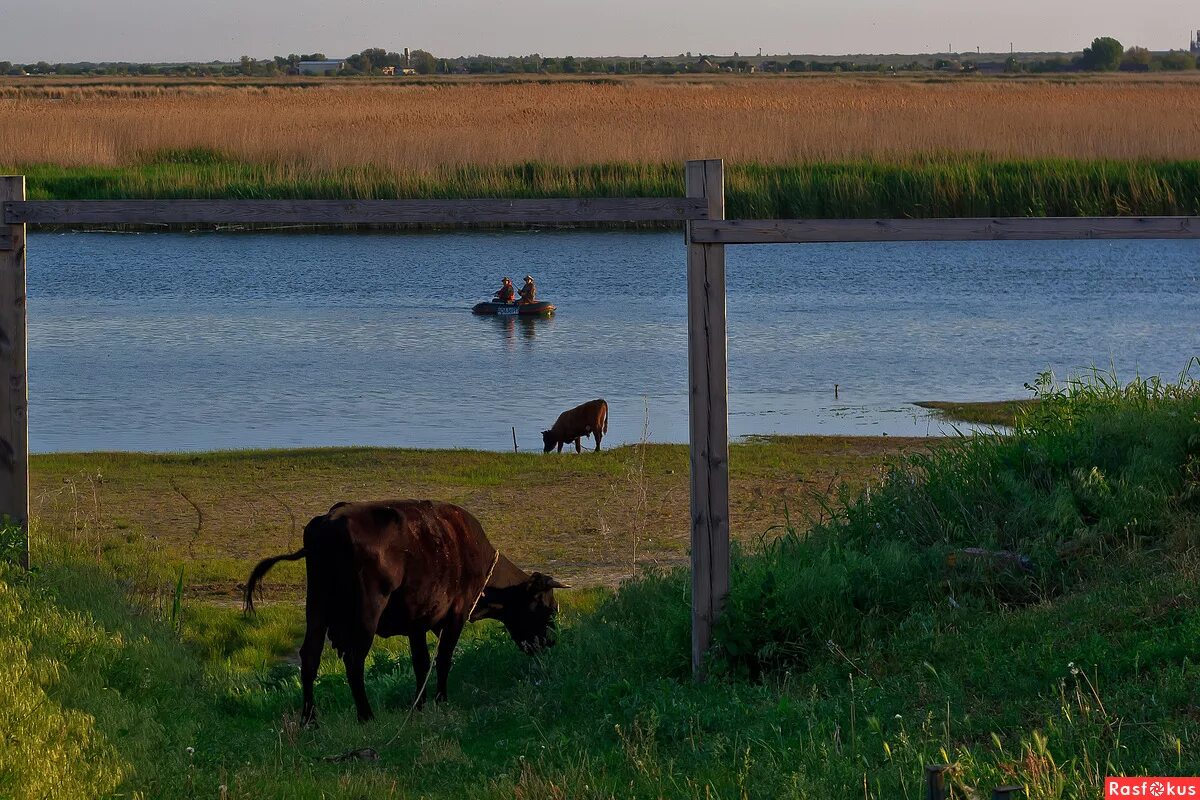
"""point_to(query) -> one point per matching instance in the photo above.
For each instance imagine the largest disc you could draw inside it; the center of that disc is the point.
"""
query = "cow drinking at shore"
(404, 568)
(589, 419)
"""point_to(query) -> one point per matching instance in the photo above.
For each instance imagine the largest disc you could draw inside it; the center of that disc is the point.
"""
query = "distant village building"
(319, 67)
(1195, 48)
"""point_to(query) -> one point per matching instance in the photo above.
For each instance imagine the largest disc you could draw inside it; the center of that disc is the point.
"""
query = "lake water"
(228, 340)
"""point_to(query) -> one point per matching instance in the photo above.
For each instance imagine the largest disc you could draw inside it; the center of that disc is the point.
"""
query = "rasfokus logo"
(1152, 788)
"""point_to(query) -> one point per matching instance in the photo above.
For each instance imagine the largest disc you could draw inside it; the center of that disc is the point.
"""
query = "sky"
(207, 30)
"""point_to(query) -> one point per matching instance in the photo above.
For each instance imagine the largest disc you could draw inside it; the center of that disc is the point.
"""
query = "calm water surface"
(227, 340)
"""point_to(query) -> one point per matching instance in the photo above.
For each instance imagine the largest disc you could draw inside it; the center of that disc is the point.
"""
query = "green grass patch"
(1094, 472)
(95, 693)
(929, 187)
(13, 541)
(852, 653)
(995, 413)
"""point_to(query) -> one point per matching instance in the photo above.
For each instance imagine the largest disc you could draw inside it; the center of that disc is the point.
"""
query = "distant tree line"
(1105, 54)
(371, 61)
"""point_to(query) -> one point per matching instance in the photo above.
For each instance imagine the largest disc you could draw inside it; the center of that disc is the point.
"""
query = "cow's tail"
(260, 569)
(606, 417)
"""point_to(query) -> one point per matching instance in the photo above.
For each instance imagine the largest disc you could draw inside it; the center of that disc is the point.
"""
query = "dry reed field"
(416, 129)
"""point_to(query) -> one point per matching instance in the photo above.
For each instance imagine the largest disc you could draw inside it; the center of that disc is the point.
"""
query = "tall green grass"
(850, 654)
(1093, 473)
(12, 540)
(95, 697)
(933, 187)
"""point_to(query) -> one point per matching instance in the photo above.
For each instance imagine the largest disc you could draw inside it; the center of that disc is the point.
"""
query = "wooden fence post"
(935, 781)
(708, 407)
(14, 396)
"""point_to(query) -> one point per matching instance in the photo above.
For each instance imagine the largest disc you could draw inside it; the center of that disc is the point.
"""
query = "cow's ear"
(336, 506)
(541, 583)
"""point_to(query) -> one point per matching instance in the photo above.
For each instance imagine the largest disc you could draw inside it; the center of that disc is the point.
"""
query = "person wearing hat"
(505, 295)
(528, 291)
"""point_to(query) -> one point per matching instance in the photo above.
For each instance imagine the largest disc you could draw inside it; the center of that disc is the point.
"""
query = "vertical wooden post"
(14, 397)
(935, 782)
(708, 407)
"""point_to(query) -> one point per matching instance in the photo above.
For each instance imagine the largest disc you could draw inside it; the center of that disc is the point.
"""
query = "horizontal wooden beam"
(351, 212)
(799, 231)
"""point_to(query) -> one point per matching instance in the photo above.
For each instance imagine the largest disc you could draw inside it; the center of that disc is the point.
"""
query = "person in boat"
(506, 293)
(528, 291)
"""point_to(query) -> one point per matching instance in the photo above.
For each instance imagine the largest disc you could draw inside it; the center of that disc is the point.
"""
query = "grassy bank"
(959, 187)
(998, 412)
(590, 519)
(853, 652)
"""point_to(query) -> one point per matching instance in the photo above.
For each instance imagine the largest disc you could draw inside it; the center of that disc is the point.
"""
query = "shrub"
(1094, 469)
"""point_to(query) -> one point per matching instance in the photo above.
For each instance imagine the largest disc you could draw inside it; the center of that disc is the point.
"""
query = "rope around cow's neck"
(495, 561)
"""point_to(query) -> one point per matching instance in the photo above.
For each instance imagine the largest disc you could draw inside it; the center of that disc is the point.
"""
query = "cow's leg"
(598, 436)
(560, 444)
(578, 446)
(355, 654)
(355, 660)
(420, 661)
(310, 660)
(445, 653)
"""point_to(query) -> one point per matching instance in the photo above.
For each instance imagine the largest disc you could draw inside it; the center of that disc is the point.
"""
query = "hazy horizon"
(141, 30)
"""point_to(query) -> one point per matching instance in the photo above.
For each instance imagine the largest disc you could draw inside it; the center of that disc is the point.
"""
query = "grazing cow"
(589, 419)
(404, 568)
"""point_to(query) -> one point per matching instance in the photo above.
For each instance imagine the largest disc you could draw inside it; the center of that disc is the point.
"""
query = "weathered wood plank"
(798, 231)
(349, 212)
(718, 393)
(698, 412)
(1007, 792)
(14, 396)
(935, 781)
(708, 414)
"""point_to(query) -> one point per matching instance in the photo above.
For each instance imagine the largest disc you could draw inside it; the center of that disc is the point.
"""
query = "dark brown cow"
(589, 419)
(404, 568)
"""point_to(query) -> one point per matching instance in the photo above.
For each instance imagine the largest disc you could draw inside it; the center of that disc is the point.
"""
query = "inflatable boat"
(495, 308)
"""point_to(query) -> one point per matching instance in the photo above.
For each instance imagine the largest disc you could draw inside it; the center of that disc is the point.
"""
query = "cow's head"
(526, 609)
(548, 441)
